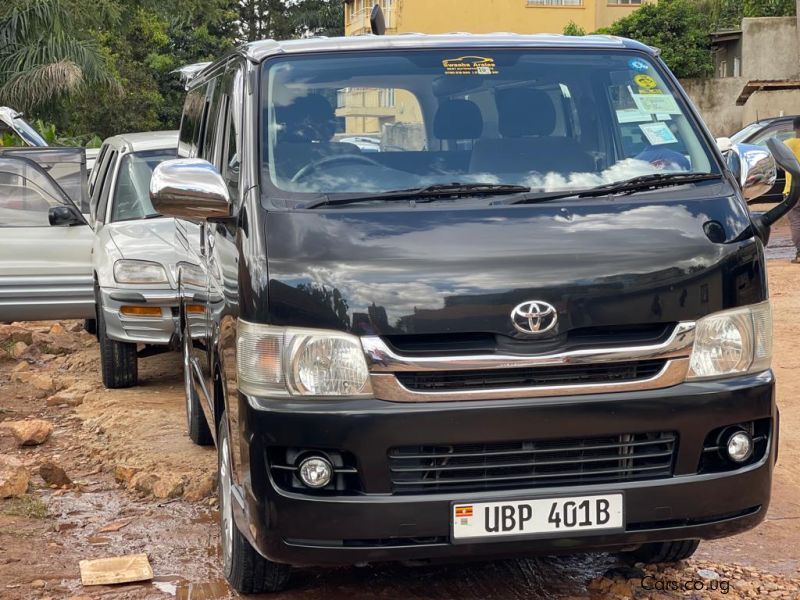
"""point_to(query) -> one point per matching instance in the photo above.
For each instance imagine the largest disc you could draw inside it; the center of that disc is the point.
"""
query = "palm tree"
(43, 55)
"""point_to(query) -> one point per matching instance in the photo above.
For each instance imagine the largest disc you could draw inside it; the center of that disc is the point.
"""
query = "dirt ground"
(139, 485)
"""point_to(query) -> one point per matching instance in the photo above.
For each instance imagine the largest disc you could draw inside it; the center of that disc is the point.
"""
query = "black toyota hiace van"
(529, 314)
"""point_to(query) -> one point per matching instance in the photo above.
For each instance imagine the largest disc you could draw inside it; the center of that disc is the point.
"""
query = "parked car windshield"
(132, 194)
(546, 120)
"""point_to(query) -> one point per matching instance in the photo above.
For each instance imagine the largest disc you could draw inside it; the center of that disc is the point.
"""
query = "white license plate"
(539, 517)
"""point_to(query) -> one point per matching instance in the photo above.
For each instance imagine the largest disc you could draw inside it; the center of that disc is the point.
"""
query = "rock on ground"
(14, 477)
(53, 474)
(31, 432)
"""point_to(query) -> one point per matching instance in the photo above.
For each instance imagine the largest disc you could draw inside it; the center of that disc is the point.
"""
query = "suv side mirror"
(64, 216)
(191, 188)
(754, 168)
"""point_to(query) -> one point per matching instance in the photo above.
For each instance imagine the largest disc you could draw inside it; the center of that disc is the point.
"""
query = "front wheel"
(245, 569)
(118, 360)
(665, 552)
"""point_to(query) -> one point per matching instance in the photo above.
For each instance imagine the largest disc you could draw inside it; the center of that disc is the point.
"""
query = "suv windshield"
(132, 196)
(369, 123)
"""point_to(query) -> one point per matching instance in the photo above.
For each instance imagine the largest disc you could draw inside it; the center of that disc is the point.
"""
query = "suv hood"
(148, 239)
(457, 270)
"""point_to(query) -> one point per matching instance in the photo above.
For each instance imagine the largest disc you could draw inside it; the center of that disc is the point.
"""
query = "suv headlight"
(732, 342)
(300, 362)
(139, 271)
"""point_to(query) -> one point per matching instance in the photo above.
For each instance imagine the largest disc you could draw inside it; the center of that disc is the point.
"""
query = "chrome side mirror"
(191, 188)
(724, 144)
(753, 167)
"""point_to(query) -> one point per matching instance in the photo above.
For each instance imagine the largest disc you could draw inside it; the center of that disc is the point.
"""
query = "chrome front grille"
(435, 468)
(530, 377)
(488, 376)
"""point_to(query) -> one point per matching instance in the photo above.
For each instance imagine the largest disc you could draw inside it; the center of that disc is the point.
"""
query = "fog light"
(316, 472)
(740, 446)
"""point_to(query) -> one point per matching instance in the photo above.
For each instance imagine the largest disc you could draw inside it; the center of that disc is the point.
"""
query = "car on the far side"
(757, 133)
(133, 255)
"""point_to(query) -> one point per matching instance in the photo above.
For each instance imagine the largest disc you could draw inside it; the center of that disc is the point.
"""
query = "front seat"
(526, 121)
(305, 129)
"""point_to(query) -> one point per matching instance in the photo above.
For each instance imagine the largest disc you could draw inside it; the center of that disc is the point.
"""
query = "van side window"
(210, 124)
(231, 156)
(191, 122)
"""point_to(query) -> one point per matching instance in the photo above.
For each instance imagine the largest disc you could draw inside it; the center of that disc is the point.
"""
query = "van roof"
(261, 50)
(258, 51)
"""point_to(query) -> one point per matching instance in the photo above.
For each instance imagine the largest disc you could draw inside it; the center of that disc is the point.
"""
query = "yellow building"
(486, 16)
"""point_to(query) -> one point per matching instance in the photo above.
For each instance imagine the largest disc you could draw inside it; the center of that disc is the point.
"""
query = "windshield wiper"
(635, 184)
(152, 216)
(427, 193)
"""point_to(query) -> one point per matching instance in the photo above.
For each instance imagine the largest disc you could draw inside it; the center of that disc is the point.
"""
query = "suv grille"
(514, 465)
(433, 381)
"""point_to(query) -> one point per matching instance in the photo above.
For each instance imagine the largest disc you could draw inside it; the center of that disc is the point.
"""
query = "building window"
(555, 2)
(625, 2)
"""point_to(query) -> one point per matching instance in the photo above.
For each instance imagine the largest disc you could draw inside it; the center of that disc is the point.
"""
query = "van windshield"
(383, 121)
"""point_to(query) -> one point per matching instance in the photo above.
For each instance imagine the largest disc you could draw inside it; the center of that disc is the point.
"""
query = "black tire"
(118, 360)
(665, 552)
(90, 326)
(245, 569)
(199, 431)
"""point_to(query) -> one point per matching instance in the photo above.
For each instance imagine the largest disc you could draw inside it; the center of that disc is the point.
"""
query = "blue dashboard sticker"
(637, 64)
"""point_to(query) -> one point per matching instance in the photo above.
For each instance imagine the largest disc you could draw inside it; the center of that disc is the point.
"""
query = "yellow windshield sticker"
(470, 65)
(645, 81)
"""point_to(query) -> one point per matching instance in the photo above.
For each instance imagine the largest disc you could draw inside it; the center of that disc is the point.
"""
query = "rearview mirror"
(64, 216)
(191, 188)
(754, 169)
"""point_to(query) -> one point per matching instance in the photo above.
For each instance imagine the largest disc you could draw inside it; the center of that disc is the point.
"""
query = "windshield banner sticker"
(470, 65)
(656, 103)
(658, 133)
(637, 64)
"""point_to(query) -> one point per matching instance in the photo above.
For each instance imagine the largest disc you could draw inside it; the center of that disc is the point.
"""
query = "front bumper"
(378, 525)
(161, 330)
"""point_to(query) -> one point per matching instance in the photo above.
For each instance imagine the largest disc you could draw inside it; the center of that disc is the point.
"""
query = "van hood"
(430, 270)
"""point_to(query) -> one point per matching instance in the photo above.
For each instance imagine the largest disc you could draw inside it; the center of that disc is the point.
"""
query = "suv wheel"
(665, 552)
(245, 569)
(199, 431)
(118, 360)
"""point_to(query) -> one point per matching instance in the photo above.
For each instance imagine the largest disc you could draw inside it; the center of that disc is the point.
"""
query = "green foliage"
(25, 506)
(678, 28)
(573, 28)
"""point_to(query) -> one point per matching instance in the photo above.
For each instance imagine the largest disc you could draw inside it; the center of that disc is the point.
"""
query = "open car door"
(45, 246)
(12, 121)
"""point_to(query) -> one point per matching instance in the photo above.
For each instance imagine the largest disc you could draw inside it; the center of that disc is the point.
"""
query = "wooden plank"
(116, 569)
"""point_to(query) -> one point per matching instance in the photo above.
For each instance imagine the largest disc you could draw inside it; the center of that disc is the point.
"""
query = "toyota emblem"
(534, 317)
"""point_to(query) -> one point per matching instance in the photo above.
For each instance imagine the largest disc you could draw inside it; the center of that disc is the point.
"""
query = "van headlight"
(139, 271)
(299, 362)
(732, 342)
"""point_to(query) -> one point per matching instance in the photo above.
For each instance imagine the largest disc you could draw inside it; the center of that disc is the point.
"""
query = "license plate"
(538, 517)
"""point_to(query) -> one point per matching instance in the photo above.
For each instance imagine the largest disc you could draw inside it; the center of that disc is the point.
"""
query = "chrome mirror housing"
(191, 188)
(754, 168)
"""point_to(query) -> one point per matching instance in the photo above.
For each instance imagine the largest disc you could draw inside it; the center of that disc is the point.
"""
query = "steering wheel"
(322, 162)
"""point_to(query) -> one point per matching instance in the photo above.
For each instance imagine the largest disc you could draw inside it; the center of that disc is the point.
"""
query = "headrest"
(524, 111)
(458, 120)
(307, 119)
